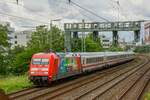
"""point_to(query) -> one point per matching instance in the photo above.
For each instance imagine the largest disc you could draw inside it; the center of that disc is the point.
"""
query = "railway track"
(36, 93)
(24, 92)
(107, 78)
(96, 87)
(133, 79)
(137, 87)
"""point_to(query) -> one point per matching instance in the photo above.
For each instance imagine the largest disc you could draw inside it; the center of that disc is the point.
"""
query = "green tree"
(10, 58)
(91, 45)
(2, 65)
(142, 49)
(3, 36)
(76, 44)
(56, 39)
(3, 45)
(41, 40)
(22, 60)
(115, 48)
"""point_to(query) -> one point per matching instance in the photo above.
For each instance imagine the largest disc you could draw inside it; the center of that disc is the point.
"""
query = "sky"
(37, 12)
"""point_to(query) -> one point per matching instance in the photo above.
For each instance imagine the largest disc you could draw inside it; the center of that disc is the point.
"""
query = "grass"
(14, 83)
(147, 96)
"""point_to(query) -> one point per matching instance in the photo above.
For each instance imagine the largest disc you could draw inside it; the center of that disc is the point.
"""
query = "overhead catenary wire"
(93, 13)
(39, 15)
(88, 17)
(119, 6)
(15, 16)
(113, 9)
(76, 8)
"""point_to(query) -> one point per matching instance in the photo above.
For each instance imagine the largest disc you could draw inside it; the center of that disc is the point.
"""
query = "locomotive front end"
(39, 69)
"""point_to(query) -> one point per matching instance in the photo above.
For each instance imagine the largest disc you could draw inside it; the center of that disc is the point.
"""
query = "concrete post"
(95, 35)
(75, 35)
(115, 38)
(67, 37)
(137, 36)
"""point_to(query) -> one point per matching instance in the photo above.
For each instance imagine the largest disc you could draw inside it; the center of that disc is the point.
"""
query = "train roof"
(83, 54)
(42, 55)
(96, 54)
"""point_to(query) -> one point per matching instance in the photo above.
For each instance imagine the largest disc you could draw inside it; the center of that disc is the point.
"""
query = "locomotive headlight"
(39, 69)
(46, 73)
(44, 69)
(32, 72)
(34, 69)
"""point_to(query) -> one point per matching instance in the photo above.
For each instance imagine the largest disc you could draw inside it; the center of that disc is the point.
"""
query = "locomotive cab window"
(44, 61)
(36, 61)
(39, 61)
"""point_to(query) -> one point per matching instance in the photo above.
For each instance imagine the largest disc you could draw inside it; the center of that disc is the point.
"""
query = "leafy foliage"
(14, 83)
(41, 41)
(57, 40)
(22, 60)
(76, 44)
(17, 61)
(3, 45)
(142, 49)
(115, 48)
(3, 36)
(92, 46)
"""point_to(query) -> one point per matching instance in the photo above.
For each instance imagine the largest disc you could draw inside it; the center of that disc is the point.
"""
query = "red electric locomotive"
(48, 67)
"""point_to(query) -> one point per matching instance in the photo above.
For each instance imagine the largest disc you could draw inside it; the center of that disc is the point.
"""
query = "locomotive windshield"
(44, 61)
(40, 61)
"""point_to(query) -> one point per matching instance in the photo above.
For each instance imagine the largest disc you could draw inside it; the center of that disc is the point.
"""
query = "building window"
(15, 42)
(15, 36)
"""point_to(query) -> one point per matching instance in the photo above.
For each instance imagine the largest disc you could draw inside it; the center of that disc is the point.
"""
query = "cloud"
(45, 10)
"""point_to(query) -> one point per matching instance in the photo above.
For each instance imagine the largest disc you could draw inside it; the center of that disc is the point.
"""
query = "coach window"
(90, 60)
(87, 61)
(101, 59)
(94, 60)
(82, 61)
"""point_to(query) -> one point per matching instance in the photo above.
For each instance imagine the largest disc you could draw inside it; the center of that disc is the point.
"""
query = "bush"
(22, 61)
(115, 49)
(142, 49)
(147, 96)
(14, 83)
